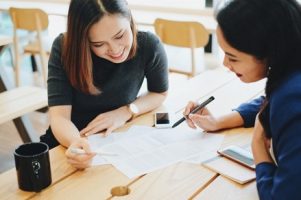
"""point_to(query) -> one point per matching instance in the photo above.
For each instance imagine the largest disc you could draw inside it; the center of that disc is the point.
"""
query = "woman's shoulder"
(147, 39)
(292, 83)
(58, 41)
(56, 50)
(289, 89)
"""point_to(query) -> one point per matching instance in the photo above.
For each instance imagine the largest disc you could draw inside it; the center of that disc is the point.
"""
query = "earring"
(268, 71)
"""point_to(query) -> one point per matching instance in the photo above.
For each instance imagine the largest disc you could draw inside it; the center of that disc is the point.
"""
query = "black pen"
(197, 108)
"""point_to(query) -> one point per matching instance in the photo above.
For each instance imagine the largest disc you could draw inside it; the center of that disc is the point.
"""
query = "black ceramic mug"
(33, 166)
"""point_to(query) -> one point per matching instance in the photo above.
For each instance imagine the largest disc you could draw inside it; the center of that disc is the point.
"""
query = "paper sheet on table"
(143, 149)
(97, 141)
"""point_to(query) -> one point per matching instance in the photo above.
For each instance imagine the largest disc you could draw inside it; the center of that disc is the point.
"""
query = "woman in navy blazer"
(262, 38)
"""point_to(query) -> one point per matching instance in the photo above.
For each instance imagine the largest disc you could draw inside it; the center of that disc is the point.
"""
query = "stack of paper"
(142, 149)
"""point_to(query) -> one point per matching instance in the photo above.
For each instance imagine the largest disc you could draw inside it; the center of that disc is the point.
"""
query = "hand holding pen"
(80, 161)
(195, 110)
(203, 119)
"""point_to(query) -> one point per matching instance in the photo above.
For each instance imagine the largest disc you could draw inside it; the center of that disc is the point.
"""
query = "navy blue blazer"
(249, 110)
(281, 181)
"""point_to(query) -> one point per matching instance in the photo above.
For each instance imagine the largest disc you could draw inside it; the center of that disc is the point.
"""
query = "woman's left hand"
(108, 121)
(260, 144)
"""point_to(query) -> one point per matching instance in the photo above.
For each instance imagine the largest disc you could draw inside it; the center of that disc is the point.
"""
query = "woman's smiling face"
(111, 38)
(247, 67)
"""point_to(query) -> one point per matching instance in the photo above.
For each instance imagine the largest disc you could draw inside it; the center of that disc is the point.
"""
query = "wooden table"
(16, 102)
(178, 181)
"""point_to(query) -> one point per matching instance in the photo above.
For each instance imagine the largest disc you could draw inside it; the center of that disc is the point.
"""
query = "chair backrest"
(29, 19)
(181, 33)
(32, 20)
(184, 34)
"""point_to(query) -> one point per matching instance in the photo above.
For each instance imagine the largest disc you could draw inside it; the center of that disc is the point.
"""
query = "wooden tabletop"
(178, 181)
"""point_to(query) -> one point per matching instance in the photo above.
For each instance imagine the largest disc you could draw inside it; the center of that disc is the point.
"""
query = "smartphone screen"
(162, 118)
(238, 154)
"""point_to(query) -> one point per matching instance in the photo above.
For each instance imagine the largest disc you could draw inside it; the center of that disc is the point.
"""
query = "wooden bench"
(16, 102)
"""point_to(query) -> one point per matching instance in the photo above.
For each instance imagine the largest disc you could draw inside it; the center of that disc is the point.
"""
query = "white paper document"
(143, 149)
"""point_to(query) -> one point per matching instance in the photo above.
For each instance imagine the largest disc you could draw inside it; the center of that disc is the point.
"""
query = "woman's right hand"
(260, 144)
(80, 161)
(203, 118)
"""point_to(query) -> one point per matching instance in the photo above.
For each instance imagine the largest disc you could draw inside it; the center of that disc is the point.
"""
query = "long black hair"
(270, 30)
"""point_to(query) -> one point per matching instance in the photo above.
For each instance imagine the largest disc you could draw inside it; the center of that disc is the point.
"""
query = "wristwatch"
(133, 109)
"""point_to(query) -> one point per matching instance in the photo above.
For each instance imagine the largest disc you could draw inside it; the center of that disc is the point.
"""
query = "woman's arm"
(114, 119)
(68, 135)
(205, 120)
(249, 111)
(244, 115)
(260, 145)
(62, 127)
(149, 101)
(60, 97)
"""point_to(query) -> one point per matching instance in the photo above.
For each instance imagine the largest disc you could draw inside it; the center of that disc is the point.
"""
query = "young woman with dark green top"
(96, 70)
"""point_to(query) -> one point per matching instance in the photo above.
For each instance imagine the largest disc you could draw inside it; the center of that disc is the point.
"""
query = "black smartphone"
(162, 120)
(238, 155)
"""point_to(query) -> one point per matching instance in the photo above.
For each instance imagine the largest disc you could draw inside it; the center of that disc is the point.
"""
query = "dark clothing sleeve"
(284, 180)
(248, 111)
(156, 65)
(264, 178)
(59, 88)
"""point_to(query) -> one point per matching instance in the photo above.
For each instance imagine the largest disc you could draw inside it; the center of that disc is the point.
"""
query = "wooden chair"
(33, 20)
(191, 35)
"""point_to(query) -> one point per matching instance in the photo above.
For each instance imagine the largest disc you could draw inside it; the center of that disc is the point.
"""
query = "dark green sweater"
(119, 83)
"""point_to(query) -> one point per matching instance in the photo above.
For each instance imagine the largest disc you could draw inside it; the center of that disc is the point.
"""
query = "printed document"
(144, 149)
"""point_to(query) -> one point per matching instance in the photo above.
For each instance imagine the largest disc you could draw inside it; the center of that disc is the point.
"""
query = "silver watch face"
(134, 109)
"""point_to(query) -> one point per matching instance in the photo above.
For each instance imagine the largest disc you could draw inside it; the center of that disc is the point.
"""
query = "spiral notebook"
(230, 169)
